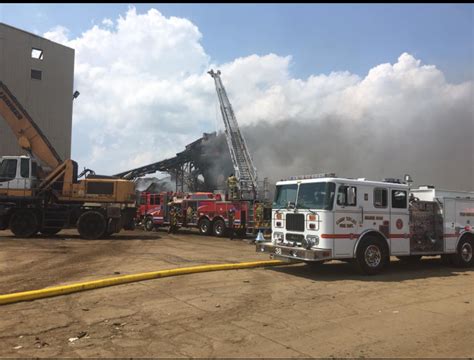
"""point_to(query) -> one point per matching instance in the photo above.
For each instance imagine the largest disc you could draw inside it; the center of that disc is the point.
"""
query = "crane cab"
(18, 173)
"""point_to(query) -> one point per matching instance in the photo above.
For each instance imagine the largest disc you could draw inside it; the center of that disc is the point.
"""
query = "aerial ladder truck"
(42, 193)
(249, 188)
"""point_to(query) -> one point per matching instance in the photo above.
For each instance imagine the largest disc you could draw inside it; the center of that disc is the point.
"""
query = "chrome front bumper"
(293, 253)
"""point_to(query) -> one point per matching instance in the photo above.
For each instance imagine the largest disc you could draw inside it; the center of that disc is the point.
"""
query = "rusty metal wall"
(49, 100)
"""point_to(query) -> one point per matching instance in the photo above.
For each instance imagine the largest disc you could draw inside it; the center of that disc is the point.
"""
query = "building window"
(36, 53)
(36, 74)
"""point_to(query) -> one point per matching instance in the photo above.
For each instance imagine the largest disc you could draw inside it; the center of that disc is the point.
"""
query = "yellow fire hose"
(95, 284)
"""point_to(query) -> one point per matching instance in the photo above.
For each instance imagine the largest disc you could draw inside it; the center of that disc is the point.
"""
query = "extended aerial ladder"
(244, 169)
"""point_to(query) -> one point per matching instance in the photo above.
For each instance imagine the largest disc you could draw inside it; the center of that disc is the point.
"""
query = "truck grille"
(295, 222)
(294, 237)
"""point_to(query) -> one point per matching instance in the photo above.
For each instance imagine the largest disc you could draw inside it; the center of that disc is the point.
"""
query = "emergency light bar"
(312, 176)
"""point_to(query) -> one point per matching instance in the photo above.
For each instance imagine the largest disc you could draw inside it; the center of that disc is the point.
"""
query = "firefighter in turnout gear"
(258, 215)
(189, 215)
(173, 221)
(232, 185)
(230, 219)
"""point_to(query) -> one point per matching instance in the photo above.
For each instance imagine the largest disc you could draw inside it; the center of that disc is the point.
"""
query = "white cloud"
(57, 34)
(107, 22)
(145, 92)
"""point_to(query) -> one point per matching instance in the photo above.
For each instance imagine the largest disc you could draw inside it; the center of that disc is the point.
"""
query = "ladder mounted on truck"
(244, 169)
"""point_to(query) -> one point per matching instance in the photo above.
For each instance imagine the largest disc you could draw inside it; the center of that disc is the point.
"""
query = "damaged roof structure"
(203, 165)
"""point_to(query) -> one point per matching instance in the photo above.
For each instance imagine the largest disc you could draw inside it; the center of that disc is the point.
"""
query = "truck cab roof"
(349, 181)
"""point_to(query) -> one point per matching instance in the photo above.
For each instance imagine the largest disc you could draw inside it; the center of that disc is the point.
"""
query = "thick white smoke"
(145, 94)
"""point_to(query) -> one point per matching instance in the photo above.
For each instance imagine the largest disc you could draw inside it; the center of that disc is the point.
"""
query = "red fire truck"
(206, 211)
(147, 202)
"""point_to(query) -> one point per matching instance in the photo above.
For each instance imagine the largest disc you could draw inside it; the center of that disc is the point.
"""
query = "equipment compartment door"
(450, 237)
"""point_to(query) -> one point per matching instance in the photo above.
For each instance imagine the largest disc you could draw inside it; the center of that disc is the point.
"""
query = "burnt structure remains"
(203, 165)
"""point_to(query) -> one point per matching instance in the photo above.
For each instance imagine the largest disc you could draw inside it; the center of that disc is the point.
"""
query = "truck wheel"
(24, 223)
(204, 226)
(148, 224)
(464, 256)
(91, 225)
(50, 231)
(219, 228)
(411, 259)
(371, 255)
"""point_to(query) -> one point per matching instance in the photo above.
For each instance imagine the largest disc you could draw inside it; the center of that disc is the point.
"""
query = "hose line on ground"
(95, 284)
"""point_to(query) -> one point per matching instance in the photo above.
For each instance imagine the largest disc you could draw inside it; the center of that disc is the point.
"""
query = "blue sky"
(320, 37)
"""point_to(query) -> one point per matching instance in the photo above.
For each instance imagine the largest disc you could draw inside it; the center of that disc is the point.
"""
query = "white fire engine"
(316, 218)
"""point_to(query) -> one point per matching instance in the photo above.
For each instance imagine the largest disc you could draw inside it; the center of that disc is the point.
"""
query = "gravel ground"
(421, 310)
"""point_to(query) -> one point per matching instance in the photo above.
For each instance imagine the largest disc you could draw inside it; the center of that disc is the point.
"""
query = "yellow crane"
(42, 193)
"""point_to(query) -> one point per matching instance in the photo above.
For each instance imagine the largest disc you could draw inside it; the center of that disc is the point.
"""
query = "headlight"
(310, 241)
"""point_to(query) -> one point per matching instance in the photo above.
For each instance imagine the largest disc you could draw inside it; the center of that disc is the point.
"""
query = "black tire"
(4, 222)
(24, 223)
(148, 224)
(372, 255)
(218, 228)
(91, 225)
(411, 259)
(50, 231)
(464, 256)
(204, 226)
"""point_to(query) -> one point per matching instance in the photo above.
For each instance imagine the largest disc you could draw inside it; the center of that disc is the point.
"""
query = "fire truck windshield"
(284, 195)
(319, 196)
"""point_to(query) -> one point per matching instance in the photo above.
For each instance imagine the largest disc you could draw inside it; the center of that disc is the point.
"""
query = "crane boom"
(29, 135)
(244, 169)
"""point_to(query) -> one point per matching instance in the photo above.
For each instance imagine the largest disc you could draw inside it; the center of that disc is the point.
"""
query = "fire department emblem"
(346, 222)
(399, 224)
